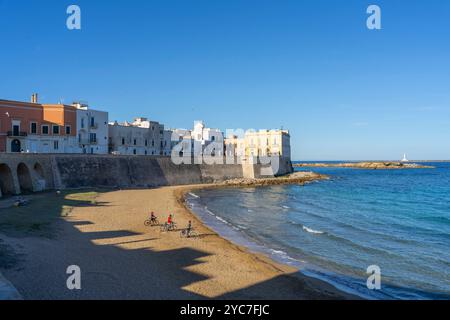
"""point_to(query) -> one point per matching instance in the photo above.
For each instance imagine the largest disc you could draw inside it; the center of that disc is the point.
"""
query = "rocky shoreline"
(365, 165)
(299, 178)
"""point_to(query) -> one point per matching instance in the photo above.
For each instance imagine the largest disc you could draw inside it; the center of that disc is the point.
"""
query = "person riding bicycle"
(189, 228)
(170, 221)
(152, 217)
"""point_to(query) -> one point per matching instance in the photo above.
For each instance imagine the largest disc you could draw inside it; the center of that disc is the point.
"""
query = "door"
(15, 146)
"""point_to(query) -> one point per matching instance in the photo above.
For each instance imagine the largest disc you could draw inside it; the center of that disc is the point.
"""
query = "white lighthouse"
(405, 159)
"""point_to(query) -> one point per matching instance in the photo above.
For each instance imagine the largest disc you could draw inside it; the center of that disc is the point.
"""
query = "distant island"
(366, 165)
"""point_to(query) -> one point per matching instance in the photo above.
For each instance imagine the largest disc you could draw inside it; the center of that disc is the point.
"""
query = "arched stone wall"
(7, 186)
(24, 178)
(39, 177)
(24, 173)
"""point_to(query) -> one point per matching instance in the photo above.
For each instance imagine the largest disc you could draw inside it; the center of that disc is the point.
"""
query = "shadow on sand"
(110, 271)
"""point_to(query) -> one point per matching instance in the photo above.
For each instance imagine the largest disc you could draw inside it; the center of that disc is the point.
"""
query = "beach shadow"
(125, 267)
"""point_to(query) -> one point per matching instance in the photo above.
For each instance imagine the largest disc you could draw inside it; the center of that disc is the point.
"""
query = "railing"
(93, 125)
(16, 134)
(86, 141)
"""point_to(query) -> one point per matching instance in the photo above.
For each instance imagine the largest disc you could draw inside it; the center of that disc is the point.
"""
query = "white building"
(92, 130)
(206, 140)
(141, 137)
(167, 143)
(205, 135)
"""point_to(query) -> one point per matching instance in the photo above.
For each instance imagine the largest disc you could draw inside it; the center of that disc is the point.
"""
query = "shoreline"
(182, 192)
(164, 265)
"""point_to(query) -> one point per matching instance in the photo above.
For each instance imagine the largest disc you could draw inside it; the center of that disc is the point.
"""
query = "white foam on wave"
(286, 207)
(194, 195)
(209, 212)
(312, 230)
(283, 255)
(221, 220)
(278, 252)
(249, 210)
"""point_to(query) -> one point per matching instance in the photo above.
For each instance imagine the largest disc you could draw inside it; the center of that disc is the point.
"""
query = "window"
(82, 123)
(55, 129)
(92, 137)
(92, 122)
(134, 151)
(153, 143)
(92, 150)
(123, 141)
(56, 145)
(68, 130)
(213, 138)
(145, 152)
(16, 130)
(79, 137)
(134, 141)
(45, 129)
(146, 142)
(33, 129)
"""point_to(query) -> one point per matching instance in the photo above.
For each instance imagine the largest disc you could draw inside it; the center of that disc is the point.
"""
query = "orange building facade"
(37, 128)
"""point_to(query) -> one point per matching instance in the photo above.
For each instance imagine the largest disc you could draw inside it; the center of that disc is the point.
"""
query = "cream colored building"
(260, 143)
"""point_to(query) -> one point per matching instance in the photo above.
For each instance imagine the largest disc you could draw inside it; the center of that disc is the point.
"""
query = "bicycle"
(186, 233)
(166, 227)
(151, 222)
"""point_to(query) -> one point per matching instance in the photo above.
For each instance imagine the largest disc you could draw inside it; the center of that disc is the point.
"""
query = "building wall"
(25, 114)
(131, 140)
(267, 142)
(92, 138)
(167, 142)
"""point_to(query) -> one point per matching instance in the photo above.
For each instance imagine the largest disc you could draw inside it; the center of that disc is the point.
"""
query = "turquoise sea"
(398, 220)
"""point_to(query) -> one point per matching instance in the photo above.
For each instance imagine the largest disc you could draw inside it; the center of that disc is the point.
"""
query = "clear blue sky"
(345, 92)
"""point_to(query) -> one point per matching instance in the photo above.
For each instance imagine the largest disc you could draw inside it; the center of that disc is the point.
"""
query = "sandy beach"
(120, 258)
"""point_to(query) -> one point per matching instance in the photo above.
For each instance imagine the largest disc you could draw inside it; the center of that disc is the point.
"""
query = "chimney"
(34, 98)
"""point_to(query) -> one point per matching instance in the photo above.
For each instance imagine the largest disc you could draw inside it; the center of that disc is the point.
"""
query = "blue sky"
(345, 92)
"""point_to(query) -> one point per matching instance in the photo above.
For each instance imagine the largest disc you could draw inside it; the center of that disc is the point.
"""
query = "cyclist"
(189, 229)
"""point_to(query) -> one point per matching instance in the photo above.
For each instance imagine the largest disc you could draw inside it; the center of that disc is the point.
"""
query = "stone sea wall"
(23, 173)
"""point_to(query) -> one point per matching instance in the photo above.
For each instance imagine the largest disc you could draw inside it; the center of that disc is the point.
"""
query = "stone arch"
(41, 183)
(6, 180)
(25, 181)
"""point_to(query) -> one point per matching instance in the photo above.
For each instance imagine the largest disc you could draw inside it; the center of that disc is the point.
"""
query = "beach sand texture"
(120, 258)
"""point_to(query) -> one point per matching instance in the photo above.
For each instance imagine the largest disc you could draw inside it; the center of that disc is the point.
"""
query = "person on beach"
(152, 217)
(170, 220)
(189, 229)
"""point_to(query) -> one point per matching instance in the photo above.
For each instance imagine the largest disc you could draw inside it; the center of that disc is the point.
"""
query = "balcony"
(93, 126)
(87, 142)
(16, 134)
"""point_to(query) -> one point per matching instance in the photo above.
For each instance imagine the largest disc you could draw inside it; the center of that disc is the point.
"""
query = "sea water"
(398, 220)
